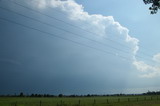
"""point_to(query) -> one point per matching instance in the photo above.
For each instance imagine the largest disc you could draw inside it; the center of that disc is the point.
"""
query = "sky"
(78, 47)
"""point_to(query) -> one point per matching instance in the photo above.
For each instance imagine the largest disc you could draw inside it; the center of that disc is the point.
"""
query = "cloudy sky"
(78, 47)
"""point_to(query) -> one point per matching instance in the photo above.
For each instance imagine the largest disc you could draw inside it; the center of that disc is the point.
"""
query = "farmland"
(152, 100)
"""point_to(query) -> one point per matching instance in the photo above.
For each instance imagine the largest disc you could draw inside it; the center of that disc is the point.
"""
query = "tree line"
(21, 94)
(152, 93)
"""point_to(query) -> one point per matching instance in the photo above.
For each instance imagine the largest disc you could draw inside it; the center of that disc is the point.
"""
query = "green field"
(82, 101)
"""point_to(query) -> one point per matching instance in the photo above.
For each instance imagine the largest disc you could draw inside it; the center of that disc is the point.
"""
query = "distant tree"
(88, 95)
(21, 94)
(36, 95)
(72, 96)
(32, 95)
(60, 95)
(39, 95)
(155, 5)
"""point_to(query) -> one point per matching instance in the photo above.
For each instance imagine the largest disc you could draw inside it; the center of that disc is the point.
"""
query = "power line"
(53, 26)
(65, 30)
(60, 12)
(62, 29)
(54, 35)
(72, 33)
(73, 25)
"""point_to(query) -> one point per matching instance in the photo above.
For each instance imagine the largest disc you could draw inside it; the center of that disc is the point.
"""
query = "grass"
(82, 101)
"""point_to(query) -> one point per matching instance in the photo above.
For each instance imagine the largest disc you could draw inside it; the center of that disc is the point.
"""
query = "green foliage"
(155, 5)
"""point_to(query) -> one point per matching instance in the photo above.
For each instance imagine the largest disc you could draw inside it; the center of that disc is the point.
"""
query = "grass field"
(82, 101)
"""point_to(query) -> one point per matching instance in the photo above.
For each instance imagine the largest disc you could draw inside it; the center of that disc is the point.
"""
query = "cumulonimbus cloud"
(104, 26)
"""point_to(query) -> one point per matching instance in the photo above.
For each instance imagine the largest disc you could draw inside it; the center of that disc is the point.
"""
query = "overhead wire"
(75, 26)
(54, 26)
(57, 36)
(86, 23)
(67, 31)
(59, 28)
